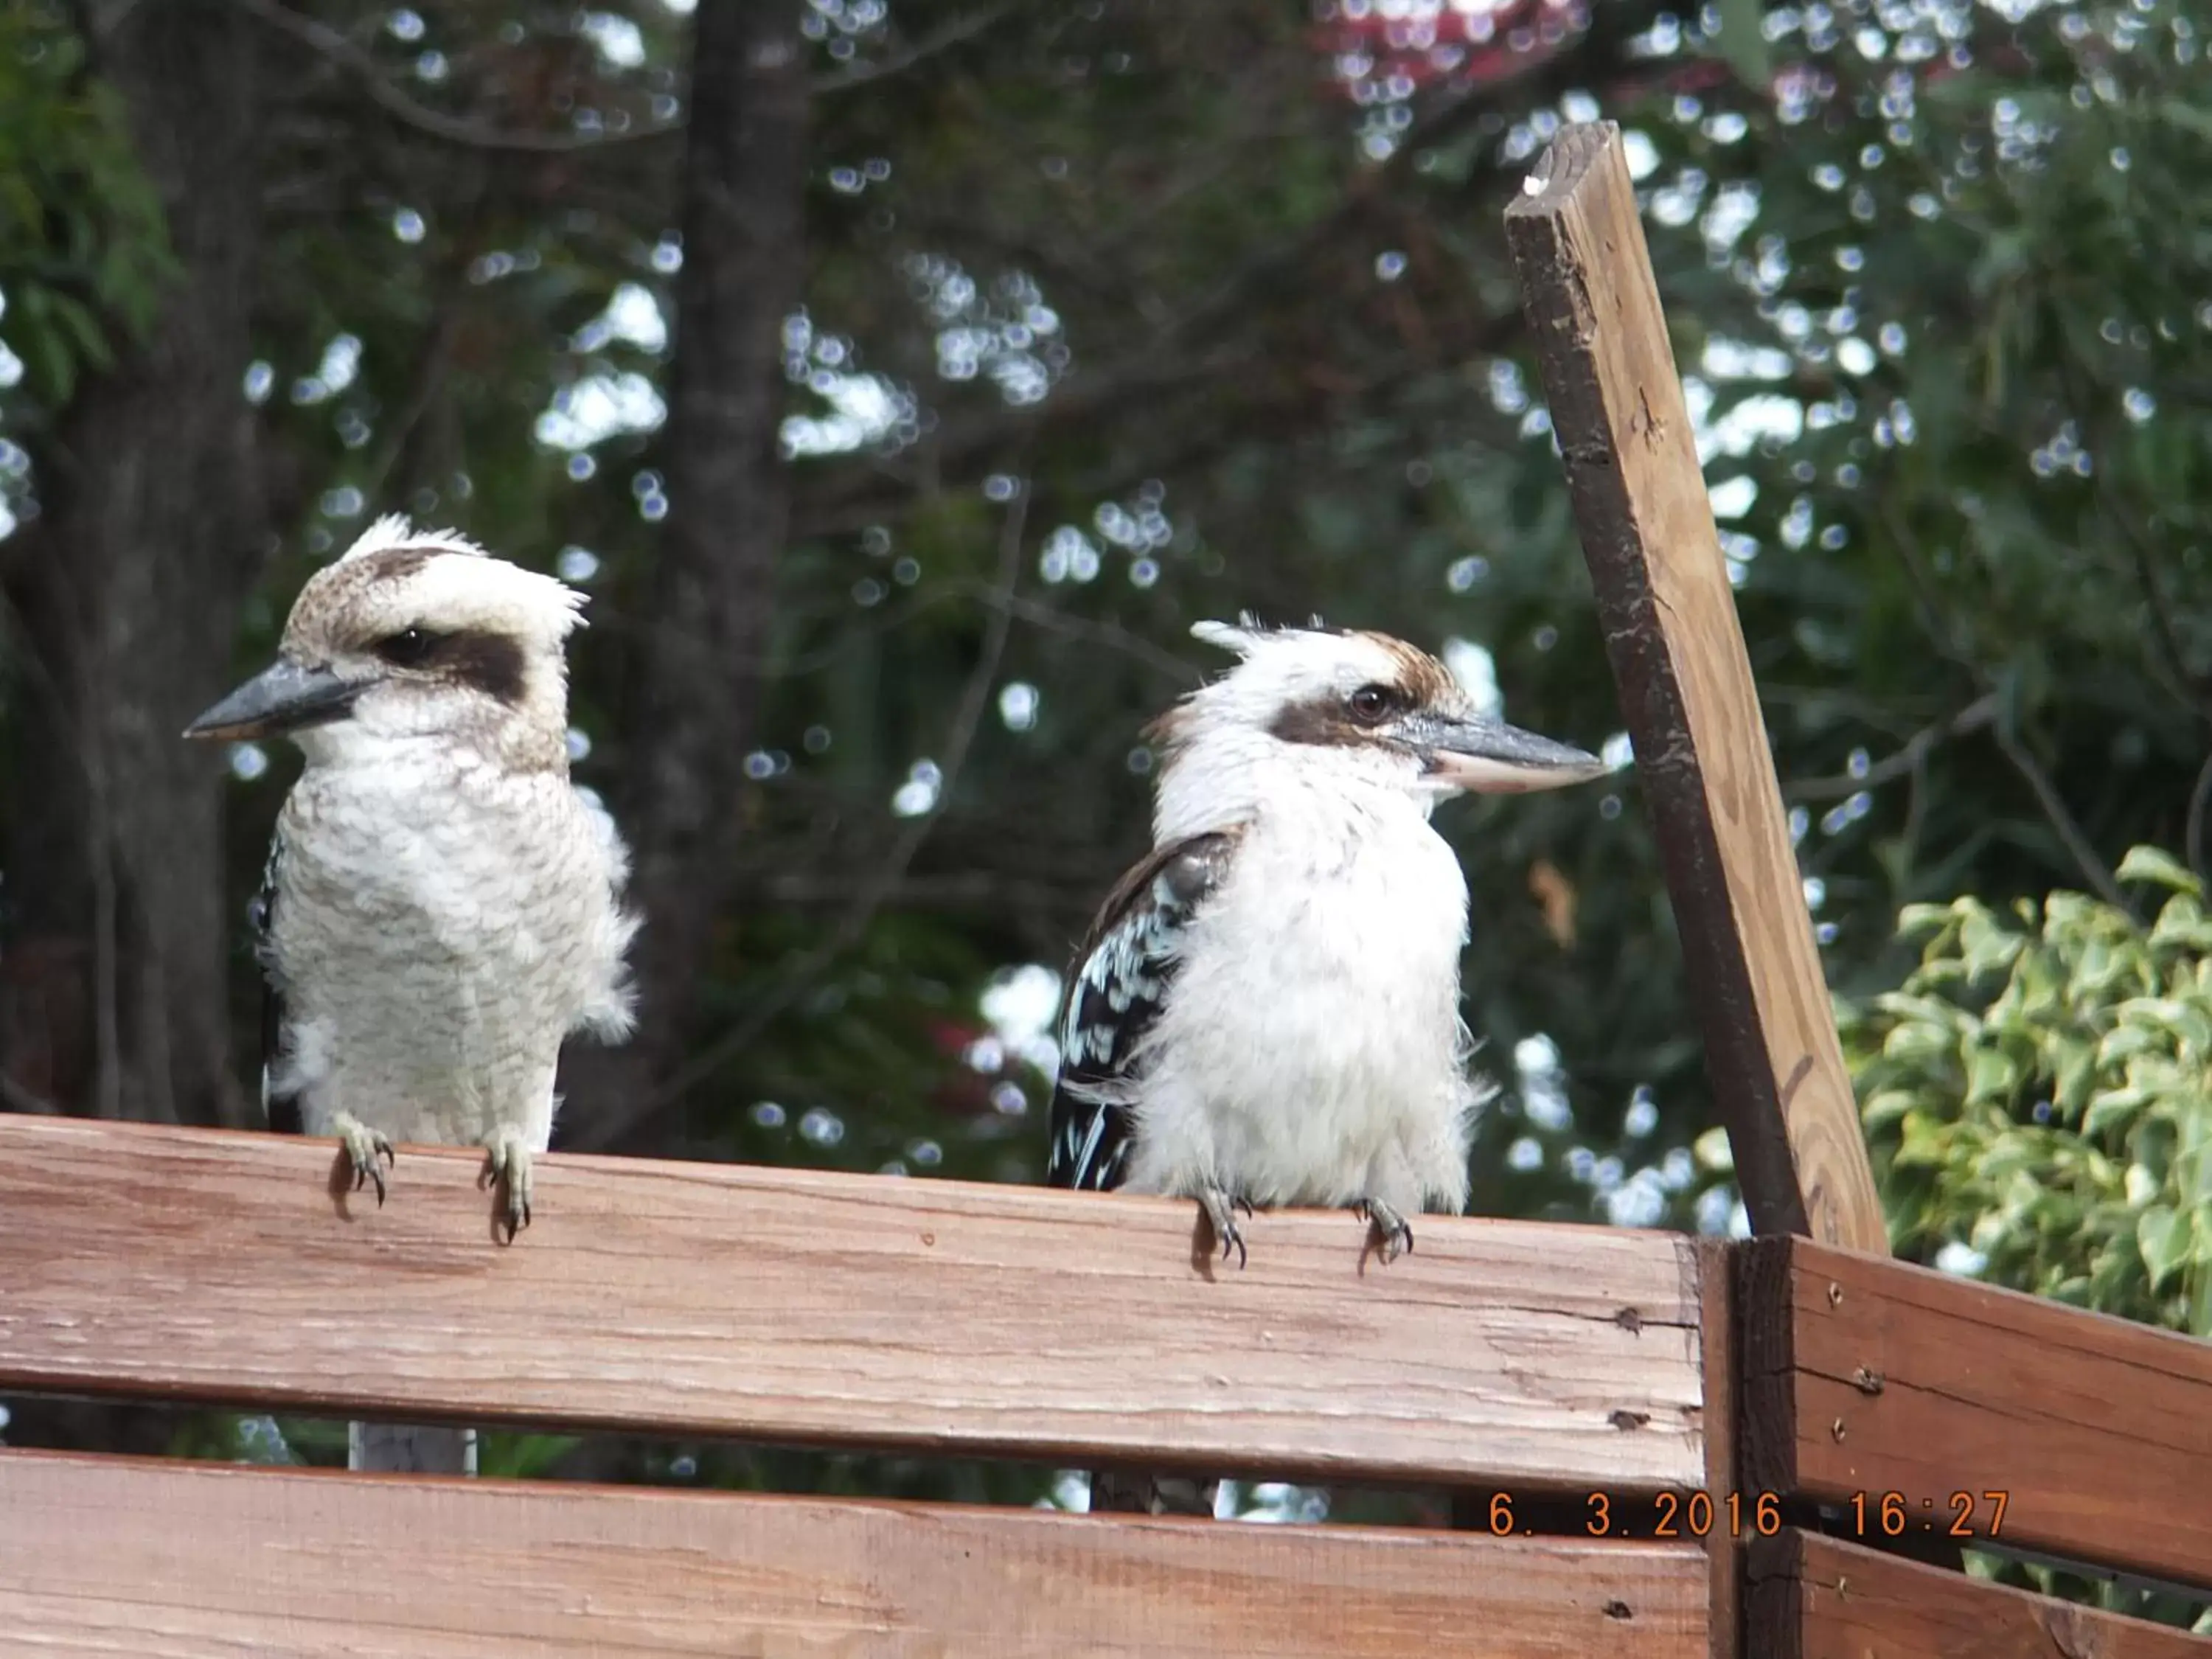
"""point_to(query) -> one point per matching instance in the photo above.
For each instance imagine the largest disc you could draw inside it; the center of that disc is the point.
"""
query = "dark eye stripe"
(486, 662)
(491, 663)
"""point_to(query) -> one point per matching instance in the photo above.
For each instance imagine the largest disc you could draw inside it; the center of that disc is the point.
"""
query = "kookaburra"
(442, 906)
(1267, 1010)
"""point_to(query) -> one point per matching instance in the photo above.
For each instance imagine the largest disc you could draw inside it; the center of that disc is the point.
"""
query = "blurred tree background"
(902, 377)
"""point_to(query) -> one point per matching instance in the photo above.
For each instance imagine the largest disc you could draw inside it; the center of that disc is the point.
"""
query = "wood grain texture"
(823, 1309)
(1867, 1377)
(1677, 650)
(181, 1561)
(1820, 1598)
(1723, 1543)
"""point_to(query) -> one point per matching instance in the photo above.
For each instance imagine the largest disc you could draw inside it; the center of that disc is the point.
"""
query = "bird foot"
(363, 1147)
(1221, 1216)
(508, 1166)
(1392, 1237)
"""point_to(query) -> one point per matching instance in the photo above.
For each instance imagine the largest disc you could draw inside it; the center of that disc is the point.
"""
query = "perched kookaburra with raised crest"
(442, 906)
(1267, 1010)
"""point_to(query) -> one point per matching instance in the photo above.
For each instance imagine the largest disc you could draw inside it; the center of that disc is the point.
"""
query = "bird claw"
(363, 1147)
(1394, 1237)
(508, 1164)
(1221, 1215)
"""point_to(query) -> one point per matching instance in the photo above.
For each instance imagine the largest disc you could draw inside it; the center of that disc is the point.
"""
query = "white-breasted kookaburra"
(1267, 1010)
(442, 906)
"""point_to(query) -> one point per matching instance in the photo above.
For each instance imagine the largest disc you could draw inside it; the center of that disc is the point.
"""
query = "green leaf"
(1917, 1044)
(2163, 1235)
(1991, 1075)
(1886, 1108)
(1917, 919)
(2074, 1073)
(2111, 1110)
(2125, 1043)
(2148, 863)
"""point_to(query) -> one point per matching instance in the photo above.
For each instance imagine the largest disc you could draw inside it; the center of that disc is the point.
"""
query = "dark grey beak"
(1493, 758)
(285, 696)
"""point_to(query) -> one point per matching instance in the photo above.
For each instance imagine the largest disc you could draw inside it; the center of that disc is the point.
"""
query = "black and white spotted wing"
(282, 1109)
(1119, 986)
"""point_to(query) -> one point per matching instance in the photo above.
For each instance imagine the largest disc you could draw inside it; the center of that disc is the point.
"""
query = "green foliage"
(2040, 1092)
(83, 249)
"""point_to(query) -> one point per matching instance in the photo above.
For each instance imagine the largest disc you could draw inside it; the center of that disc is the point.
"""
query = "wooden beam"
(106, 1556)
(1865, 1378)
(1723, 1543)
(1669, 613)
(1820, 1598)
(825, 1309)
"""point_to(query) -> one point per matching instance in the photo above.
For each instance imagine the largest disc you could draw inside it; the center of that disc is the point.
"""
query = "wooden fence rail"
(828, 1309)
(107, 1556)
(1821, 1598)
(1863, 1378)
(200, 1266)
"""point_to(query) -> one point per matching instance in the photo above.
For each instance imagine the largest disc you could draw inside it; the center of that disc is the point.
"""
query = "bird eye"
(1371, 705)
(407, 647)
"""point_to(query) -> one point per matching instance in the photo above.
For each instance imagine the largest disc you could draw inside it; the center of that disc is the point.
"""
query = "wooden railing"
(829, 1310)
(1714, 1394)
(1920, 1408)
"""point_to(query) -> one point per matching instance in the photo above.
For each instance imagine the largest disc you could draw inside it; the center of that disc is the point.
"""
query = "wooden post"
(1677, 649)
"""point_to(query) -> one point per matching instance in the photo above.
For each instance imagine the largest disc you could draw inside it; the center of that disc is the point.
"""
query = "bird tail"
(1120, 1491)
(410, 1448)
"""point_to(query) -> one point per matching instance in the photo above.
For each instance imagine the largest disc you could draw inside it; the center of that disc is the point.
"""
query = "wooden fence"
(1564, 1377)
(1664, 1446)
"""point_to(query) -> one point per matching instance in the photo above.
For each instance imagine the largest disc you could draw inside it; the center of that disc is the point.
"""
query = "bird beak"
(285, 696)
(1493, 758)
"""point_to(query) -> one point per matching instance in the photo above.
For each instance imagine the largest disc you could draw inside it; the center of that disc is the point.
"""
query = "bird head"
(1359, 712)
(414, 634)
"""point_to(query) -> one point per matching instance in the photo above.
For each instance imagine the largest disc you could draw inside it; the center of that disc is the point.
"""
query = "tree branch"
(1110, 635)
(1936, 622)
(334, 47)
(944, 38)
(1975, 715)
(2062, 821)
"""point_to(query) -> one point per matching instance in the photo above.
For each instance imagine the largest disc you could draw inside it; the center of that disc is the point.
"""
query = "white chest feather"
(1312, 1051)
(439, 926)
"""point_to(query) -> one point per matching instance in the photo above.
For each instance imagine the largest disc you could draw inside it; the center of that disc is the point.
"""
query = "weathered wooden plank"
(818, 1308)
(1864, 1377)
(1724, 1541)
(183, 1561)
(1671, 629)
(1820, 1598)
